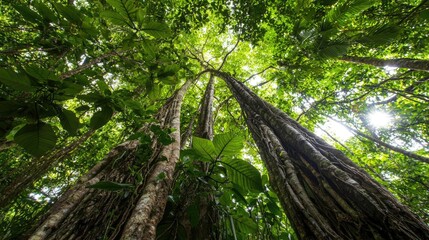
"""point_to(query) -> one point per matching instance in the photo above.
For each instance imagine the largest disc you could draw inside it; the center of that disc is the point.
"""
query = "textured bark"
(150, 207)
(208, 219)
(324, 194)
(413, 64)
(86, 213)
(195, 192)
(191, 191)
(37, 170)
(205, 119)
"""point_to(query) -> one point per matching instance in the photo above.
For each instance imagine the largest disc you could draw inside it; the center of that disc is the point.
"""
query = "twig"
(226, 56)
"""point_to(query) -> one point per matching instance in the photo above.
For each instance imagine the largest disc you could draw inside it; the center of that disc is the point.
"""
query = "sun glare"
(390, 70)
(379, 119)
(334, 129)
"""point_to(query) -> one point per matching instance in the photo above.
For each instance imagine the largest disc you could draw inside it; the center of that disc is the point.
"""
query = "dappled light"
(202, 119)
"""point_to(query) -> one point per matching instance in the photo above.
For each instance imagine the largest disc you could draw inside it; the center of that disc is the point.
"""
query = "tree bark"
(207, 213)
(324, 194)
(36, 170)
(413, 64)
(130, 212)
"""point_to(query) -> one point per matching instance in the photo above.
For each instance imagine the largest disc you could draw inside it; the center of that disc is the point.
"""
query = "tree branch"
(226, 56)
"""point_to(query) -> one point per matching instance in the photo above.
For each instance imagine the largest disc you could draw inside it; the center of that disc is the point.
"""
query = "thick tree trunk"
(37, 170)
(413, 64)
(325, 195)
(207, 212)
(128, 212)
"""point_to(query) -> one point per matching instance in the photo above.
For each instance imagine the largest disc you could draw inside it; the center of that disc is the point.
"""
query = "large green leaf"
(27, 13)
(114, 18)
(157, 30)
(15, 80)
(381, 35)
(37, 139)
(346, 10)
(41, 74)
(69, 121)
(333, 50)
(149, 48)
(243, 174)
(45, 11)
(245, 225)
(204, 148)
(228, 144)
(70, 13)
(100, 118)
(126, 8)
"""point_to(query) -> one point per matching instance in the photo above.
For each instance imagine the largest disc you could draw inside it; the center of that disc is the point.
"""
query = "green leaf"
(91, 97)
(15, 80)
(114, 18)
(37, 139)
(245, 224)
(104, 88)
(82, 108)
(69, 12)
(149, 48)
(334, 50)
(346, 10)
(228, 144)
(111, 186)
(27, 13)
(204, 148)
(69, 121)
(243, 174)
(141, 16)
(381, 35)
(44, 10)
(161, 176)
(157, 30)
(100, 118)
(238, 195)
(41, 73)
(162, 135)
(126, 8)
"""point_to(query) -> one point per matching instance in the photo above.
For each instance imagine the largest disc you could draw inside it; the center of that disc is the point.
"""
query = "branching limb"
(226, 56)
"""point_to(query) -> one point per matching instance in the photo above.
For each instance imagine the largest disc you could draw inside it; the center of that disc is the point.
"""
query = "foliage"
(70, 66)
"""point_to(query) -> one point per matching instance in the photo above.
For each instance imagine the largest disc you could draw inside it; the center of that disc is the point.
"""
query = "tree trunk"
(205, 202)
(324, 194)
(208, 215)
(413, 64)
(131, 207)
(26, 177)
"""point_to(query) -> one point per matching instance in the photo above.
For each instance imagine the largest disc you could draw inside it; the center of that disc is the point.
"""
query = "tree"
(323, 192)
(143, 185)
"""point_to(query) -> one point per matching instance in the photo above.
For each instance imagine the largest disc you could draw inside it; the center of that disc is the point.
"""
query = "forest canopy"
(214, 119)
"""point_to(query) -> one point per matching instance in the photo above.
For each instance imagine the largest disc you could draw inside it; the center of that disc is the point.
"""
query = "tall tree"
(324, 194)
(127, 190)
